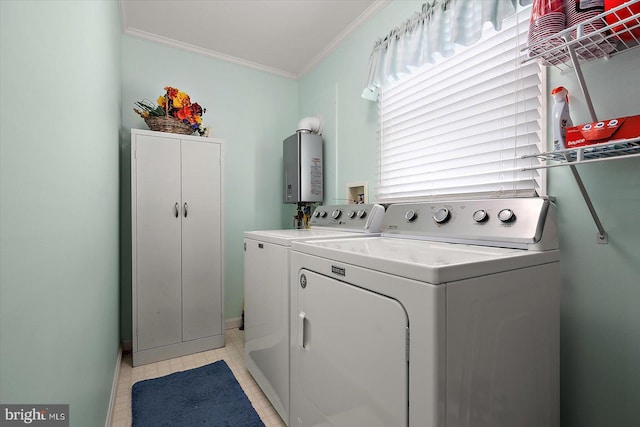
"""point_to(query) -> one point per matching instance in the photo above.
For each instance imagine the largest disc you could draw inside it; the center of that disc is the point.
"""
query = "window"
(457, 128)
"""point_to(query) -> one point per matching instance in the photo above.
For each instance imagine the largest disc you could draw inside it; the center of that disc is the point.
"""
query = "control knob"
(506, 215)
(336, 214)
(411, 215)
(480, 215)
(362, 213)
(442, 215)
(323, 214)
(351, 214)
(316, 214)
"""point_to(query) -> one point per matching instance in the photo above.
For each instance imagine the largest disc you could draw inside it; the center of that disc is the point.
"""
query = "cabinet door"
(157, 246)
(201, 240)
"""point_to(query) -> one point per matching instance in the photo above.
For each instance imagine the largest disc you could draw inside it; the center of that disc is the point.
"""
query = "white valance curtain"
(431, 33)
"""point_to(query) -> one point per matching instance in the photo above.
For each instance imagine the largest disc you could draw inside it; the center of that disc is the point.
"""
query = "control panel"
(503, 222)
(361, 217)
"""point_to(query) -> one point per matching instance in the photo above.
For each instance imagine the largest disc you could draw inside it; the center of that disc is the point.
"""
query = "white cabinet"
(177, 245)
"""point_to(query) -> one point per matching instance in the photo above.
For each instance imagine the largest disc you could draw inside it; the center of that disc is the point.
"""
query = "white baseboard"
(233, 323)
(114, 389)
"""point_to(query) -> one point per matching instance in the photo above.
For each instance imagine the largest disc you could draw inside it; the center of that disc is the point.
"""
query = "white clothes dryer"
(449, 319)
(266, 290)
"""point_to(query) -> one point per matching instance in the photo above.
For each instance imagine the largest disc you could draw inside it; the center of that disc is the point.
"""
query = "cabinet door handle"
(177, 209)
(186, 206)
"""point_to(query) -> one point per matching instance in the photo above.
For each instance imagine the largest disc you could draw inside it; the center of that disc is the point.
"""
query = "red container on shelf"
(625, 31)
(603, 131)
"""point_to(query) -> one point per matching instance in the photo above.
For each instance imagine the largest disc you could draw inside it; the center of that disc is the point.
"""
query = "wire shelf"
(601, 36)
(591, 39)
(589, 153)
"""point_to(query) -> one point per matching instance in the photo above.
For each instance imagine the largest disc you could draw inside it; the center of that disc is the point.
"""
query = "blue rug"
(205, 396)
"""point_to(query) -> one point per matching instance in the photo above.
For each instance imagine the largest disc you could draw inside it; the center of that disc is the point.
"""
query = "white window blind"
(457, 128)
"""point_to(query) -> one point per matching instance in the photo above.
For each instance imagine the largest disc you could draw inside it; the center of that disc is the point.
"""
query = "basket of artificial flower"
(174, 113)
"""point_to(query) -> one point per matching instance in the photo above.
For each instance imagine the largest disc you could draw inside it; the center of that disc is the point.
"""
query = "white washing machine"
(449, 319)
(266, 290)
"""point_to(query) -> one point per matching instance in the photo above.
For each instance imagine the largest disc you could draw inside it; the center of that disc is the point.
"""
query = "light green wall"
(333, 89)
(60, 118)
(59, 203)
(600, 347)
(600, 342)
(251, 110)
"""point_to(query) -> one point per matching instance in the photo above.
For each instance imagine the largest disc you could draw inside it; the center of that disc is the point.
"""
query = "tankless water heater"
(303, 177)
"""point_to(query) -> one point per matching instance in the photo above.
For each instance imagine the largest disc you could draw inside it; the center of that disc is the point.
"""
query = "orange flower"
(183, 113)
(171, 91)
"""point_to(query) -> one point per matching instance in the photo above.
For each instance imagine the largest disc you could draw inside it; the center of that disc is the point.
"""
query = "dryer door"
(349, 356)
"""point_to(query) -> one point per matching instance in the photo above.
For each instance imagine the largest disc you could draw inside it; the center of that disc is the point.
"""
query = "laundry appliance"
(266, 290)
(450, 318)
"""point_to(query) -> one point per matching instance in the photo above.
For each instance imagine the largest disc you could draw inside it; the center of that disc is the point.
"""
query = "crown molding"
(364, 17)
(210, 53)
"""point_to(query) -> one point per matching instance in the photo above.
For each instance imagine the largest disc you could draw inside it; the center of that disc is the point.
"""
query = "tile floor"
(232, 353)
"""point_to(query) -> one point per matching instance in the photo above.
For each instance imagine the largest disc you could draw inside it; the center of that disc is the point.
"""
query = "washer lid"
(425, 261)
(285, 237)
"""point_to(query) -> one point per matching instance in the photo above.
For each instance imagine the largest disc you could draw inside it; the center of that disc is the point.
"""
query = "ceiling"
(285, 37)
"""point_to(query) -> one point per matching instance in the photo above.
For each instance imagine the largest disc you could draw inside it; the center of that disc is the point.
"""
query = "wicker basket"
(168, 124)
